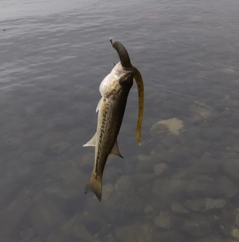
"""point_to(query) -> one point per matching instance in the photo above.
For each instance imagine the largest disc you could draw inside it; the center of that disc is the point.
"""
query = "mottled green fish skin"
(110, 116)
(114, 90)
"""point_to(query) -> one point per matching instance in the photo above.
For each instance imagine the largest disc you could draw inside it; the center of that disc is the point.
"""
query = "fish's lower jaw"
(94, 185)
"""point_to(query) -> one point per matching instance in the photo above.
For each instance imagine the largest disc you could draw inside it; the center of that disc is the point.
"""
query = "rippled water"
(181, 184)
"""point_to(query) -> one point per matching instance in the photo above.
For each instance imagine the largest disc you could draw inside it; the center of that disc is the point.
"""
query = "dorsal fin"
(98, 105)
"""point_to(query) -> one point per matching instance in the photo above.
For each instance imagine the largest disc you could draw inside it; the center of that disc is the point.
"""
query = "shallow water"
(181, 184)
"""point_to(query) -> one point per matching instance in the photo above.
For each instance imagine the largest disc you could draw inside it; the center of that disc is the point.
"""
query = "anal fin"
(115, 150)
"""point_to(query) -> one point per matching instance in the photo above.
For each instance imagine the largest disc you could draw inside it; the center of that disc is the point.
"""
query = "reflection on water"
(181, 184)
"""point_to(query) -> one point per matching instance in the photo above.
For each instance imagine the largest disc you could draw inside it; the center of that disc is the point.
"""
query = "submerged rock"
(160, 169)
(172, 125)
(108, 191)
(86, 162)
(207, 165)
(122, 203)
(211, 204)
(160, 153)
(171, 142)
(229, 70)
(34, 157)
(212, 238)
(167, 236)
(226, 187)
(60, 147)
(179, 209)
(149, 211)
(235, 233)
(204, 204)
(23, 173)
(51, 139)
(237, 217)
(61, 191)
(158, 130)
(198, 226)
(144, 185)
(139, 233)
(151, 158)
(203, 110)
(125, 184)
(233, 149)
(12, 215)
(36, 240)
(111, 173)
(179, 157)
(179, 187)
(72, 230)
(45, 216)
(164, 221)
(146, 163)
(232, 168)
(27, 234)
(195, 205)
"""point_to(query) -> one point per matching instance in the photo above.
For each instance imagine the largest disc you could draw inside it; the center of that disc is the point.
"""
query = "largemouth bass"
(114, 90)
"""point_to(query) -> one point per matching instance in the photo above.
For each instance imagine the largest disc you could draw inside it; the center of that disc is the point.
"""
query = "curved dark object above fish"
(123, 54)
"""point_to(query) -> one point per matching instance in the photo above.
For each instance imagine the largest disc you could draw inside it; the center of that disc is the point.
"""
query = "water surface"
(181, 184)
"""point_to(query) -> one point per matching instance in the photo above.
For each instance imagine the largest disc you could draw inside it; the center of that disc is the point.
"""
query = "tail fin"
(95, 185)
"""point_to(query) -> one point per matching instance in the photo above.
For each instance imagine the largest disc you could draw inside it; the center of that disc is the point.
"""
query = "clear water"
(180, 186)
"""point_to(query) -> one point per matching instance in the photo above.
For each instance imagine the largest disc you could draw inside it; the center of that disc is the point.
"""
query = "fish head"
(118, 86)
(118, 80)
(124, 76)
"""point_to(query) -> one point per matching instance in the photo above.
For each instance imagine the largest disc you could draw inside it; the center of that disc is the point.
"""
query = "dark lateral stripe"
(104, 111)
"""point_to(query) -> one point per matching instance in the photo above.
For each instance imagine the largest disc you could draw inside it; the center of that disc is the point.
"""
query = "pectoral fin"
(115, 150)
(91, 142)
(139, 80)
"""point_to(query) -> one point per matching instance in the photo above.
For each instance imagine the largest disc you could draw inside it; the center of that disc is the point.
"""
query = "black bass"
(114, 90)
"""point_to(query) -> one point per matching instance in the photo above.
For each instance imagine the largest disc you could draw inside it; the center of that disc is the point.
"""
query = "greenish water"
(181, 184)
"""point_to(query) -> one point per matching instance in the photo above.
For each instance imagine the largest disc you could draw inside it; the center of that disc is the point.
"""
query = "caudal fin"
(94, 185)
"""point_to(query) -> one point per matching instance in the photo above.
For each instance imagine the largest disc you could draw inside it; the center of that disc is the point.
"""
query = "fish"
(114, 90)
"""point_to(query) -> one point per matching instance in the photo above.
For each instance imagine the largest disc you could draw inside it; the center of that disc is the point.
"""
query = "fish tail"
(95, 185)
